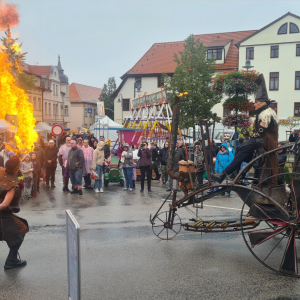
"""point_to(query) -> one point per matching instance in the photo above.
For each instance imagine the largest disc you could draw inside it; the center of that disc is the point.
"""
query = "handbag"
(153, 165)
(42, 173)
(138, 164)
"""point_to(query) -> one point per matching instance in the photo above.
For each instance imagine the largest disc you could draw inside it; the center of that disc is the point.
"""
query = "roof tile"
(83, 93)
(160, 57)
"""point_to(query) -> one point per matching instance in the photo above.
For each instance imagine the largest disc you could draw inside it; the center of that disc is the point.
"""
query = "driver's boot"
(12, 260)
(218, 177)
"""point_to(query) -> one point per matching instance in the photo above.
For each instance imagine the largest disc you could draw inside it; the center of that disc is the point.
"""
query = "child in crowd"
(134, 175)
(10, 154)
(27, 171)
(36, 173)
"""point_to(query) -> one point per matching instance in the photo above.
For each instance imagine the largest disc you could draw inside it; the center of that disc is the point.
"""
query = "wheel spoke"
(158, 225)
(257, 238)
(273, 248)
(160, 231)
(160, 220)
(173, 230)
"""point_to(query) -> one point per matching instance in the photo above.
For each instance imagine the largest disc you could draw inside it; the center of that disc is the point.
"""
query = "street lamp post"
(120, 100)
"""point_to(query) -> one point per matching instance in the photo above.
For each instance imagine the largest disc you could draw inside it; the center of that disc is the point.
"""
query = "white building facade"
(54, 103)
(275, 52)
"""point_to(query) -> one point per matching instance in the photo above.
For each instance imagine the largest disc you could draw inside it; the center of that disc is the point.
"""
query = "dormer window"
(294, 28)
(215, 54)
(283, 29)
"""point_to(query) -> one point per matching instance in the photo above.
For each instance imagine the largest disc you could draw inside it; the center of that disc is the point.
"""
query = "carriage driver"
(265, 134)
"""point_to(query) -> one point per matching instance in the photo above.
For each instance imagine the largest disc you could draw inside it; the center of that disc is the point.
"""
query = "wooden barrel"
(184, 167)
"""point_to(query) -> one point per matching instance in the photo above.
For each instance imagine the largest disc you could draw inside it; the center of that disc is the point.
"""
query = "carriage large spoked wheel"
(275, 242)
(166, 225)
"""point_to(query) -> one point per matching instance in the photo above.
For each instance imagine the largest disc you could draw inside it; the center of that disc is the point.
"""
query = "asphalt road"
(122, 259)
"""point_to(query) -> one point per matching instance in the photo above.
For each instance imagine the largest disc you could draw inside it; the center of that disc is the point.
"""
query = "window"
(274, 79)
(125, 104)
(95, 111)
(85, 112)
(298, 50)
(61, 109)
(39, 104)
(138, 82)
(160, 81)
(250, 53)
(274, 106)
(57, 89)
(297, 80)
(46, 108)
(274, 51)
(66, 110)
(49, 109)
(283, 29)
(226, 112)
(297, 109)
(294, 28)
(216, 54)
(34, 102)
(56, 109)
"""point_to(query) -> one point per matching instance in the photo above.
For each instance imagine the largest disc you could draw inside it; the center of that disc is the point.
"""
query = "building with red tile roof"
(84, 101)
(160, 59)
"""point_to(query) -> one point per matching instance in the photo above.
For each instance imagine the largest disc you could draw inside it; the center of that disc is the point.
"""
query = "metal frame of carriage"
(269, 219)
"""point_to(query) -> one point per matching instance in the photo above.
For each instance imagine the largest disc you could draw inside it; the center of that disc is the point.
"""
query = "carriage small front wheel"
(166, 225)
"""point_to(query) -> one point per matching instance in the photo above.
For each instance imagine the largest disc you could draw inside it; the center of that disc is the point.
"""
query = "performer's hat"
(262, 93)
(13, 164)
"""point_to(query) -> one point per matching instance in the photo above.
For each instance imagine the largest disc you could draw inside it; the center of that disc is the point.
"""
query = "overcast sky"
(100, 39)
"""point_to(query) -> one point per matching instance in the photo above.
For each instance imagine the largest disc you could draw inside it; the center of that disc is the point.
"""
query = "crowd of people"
(82, 157)
(79, 156)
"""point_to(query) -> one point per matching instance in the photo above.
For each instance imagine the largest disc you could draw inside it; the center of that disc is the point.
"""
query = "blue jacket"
(223, 160)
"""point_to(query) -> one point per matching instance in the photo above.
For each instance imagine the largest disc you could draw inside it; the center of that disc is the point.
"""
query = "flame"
(17, 47)
(14, 101)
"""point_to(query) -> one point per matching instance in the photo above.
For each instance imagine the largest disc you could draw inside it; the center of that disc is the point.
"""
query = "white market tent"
(5, 126)
(42, 126)
(106, 127)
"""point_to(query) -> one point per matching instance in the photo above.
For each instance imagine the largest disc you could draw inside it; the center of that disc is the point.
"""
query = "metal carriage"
(270, 215)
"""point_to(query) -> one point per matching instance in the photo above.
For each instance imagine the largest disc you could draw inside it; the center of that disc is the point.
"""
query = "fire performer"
(12, 228)
(265, 135)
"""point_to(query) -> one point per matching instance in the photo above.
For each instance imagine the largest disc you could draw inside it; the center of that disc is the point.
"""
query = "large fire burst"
(14, 101)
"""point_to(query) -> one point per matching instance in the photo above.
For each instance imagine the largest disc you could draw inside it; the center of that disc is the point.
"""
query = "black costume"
(12, 228)
(266, 137)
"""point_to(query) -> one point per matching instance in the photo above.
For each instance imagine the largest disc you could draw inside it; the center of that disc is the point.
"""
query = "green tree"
(107, 90)
(193, 74)
(17, 58)
(290, 122)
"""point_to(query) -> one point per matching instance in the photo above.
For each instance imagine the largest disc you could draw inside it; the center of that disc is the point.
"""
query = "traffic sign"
(89, 110)
(57, 130)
